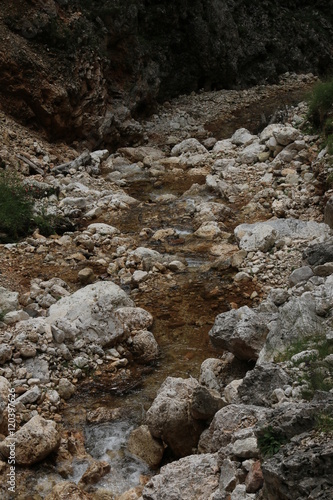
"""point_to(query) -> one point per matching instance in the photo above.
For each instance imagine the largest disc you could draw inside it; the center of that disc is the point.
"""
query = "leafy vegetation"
(320, 113)
(324, 423)
(17, 215)
(317, 373)
(16, 207)
(270, 441)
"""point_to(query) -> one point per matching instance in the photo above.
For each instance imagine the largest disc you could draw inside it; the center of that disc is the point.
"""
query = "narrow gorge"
(166, 320)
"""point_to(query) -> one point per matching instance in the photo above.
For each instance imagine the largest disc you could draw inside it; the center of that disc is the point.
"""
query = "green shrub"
(324, 423)
(16, 207)
(321, 104)
(270, 441)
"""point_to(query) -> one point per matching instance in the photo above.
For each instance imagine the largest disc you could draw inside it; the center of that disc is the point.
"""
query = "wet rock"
(169, 416)
(196, 476)
(142, 444)
(33, 442)
(66, 490)
(242, 332)
(134, 318)
(144, 347)
(94, 473)
(65, 388)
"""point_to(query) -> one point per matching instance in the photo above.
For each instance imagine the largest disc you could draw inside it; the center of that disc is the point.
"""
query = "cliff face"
(84, 68)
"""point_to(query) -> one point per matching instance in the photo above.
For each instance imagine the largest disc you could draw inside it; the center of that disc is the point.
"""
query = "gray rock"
(302, 274)
(204, 404)
(286, 135)
(33, 442)
(320, 253)
(39, 368)
(188, 146)
(193, 477)
(292, 228)
(8, 300)
(65, 388)
(144, 347)
(242, 136)
(5, 353)
(301, 469)
(251, 153)
(328, 213)
(245, 448)
(226, 422)
(260, 237)
(31, 396)
(90, 313)
(169, 416)
(278, 296)
(258, 384)
(209, 373)
(241, 331)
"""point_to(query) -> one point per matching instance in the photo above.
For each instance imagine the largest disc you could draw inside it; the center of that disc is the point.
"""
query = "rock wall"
(84, 69)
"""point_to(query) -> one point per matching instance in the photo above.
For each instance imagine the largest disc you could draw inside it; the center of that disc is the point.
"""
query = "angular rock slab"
(241, 331)
(193, 477)
(33, 442)
(169, 416)
(90, 313)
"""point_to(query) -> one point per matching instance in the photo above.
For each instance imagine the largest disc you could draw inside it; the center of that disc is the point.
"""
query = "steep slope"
(83, 69)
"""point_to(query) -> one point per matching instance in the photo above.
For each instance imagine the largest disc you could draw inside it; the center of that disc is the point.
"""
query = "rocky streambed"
(184, 320)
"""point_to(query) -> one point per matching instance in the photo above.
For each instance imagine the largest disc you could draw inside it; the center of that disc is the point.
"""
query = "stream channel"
(184, 306)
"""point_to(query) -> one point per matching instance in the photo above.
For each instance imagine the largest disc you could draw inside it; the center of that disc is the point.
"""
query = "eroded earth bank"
(174, 338)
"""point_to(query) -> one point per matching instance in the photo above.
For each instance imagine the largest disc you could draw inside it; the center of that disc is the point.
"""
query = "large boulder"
(169, 417)
(298, 318)
(91, 314)
(8, 300)
(228, 421)
(190, 146)
(292, 228)
(241, 331)
(258, 384)
(193, 477)
(319, 253)
(143, 445)
(33, 442)
(301, 469)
